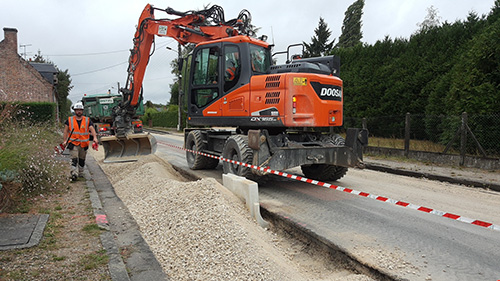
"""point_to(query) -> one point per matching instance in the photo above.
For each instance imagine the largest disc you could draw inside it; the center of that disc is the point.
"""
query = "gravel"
(200, 231)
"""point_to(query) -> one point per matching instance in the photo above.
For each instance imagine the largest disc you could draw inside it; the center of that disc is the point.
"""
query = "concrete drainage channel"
(290, 230)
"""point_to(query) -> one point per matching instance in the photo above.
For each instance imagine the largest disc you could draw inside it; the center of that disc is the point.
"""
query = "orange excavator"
(239, 104)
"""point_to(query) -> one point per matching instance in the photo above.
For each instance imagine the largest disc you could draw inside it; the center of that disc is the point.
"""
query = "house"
(21, 80)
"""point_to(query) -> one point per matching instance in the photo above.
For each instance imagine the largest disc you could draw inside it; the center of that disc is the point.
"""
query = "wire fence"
(466, 134)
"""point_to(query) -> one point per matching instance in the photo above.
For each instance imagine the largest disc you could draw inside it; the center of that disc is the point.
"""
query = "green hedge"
(166, 119)
(34, 111)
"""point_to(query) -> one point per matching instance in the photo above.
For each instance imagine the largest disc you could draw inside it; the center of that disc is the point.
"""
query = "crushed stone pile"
(200, 231)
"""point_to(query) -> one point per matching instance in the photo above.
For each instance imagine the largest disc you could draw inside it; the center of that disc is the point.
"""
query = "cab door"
(205, 81)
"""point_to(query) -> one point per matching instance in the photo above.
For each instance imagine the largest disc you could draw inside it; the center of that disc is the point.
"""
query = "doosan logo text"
(330, 92)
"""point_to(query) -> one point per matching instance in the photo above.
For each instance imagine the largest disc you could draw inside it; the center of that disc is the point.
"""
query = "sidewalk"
(130, 256)
(457, 175)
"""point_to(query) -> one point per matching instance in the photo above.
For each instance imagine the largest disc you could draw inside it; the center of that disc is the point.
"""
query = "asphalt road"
(401, 242)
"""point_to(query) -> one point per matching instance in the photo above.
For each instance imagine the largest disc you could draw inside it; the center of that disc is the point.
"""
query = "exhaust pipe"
(129, 148)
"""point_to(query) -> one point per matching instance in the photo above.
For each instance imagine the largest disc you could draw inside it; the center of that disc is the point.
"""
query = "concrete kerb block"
(99, 213)
(116, 266)
(248, 191)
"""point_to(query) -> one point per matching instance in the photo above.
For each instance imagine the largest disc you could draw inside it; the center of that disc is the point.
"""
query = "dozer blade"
(129, 148)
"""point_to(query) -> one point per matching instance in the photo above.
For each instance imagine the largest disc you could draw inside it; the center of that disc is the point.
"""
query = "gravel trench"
(200, 231)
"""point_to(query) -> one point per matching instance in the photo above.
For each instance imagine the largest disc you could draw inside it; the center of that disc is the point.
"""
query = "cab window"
(206, 62)
(206, 76)
(232, 67)
(260, 59)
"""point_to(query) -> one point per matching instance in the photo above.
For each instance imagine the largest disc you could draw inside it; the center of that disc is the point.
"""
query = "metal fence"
(466, 134)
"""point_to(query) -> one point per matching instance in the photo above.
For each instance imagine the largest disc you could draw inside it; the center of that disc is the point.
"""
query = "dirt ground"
(200, 231)
(70, 248)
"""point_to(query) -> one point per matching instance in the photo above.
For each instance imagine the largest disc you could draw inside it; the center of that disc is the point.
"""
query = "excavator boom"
(190, 27)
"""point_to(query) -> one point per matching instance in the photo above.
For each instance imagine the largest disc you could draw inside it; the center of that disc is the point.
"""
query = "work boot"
(74, 172)
(74, 176)
(80, 171)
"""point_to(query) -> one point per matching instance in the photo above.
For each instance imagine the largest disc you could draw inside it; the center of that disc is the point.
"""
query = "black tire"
(236, 148)
(323, 172)
(194, 141)
(212, 163)
(333, 139)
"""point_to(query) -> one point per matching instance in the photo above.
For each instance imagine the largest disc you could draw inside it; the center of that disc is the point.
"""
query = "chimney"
(10, 41)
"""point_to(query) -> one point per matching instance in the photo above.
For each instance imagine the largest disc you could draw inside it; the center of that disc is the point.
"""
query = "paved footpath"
(130, 256)
(457, 175)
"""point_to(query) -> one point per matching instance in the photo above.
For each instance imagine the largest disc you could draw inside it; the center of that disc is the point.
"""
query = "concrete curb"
(116, 266)
(248, 191)
(138, 261)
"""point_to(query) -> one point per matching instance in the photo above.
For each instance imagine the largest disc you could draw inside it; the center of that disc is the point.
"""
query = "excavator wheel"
(194, 141)
(236, 148)
(323, 172)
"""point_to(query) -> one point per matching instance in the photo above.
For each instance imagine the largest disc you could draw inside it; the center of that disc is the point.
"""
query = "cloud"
(93, 26)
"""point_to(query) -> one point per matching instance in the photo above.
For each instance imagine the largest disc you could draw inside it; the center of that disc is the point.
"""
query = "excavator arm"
(190, 27)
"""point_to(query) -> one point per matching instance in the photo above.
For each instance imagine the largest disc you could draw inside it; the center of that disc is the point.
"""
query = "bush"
(27, 156)
(148, 115)
(167, 118)
(32, 111)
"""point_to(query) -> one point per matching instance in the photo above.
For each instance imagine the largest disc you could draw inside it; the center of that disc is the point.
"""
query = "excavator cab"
(221, 68)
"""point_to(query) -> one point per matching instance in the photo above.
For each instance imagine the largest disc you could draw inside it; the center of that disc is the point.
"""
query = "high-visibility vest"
(80, 135)
(230, 73)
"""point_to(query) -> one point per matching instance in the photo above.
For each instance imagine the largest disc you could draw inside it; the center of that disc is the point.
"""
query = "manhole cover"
(21, 230)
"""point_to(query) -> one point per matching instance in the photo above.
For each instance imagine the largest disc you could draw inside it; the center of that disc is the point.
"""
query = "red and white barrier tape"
(348, 190)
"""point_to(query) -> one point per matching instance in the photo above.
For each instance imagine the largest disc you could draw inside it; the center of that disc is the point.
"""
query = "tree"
(431, 20)
(495, 12)
(351, 28)
(174, 64)
(475, 78)
(174, 93)
(319, 45)
(63, 88)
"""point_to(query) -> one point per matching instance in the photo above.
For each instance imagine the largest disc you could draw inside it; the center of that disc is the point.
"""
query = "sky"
(92, 38)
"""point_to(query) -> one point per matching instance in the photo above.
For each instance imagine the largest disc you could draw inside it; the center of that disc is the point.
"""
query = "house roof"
(47, 70)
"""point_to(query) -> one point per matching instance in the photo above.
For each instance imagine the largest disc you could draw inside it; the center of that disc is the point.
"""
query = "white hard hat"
(78, 105)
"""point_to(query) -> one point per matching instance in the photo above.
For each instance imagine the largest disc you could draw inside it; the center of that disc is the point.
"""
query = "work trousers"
(78, 155)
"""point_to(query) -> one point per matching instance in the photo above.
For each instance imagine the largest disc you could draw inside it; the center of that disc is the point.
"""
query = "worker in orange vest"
(77, 130)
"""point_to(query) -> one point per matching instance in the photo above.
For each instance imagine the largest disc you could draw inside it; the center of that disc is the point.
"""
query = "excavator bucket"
(129, 148)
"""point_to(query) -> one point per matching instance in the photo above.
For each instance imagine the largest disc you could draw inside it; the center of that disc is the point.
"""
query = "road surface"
(400, 242)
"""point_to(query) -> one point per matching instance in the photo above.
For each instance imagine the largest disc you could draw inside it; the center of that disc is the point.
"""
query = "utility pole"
(179, 81)
(179, 126)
